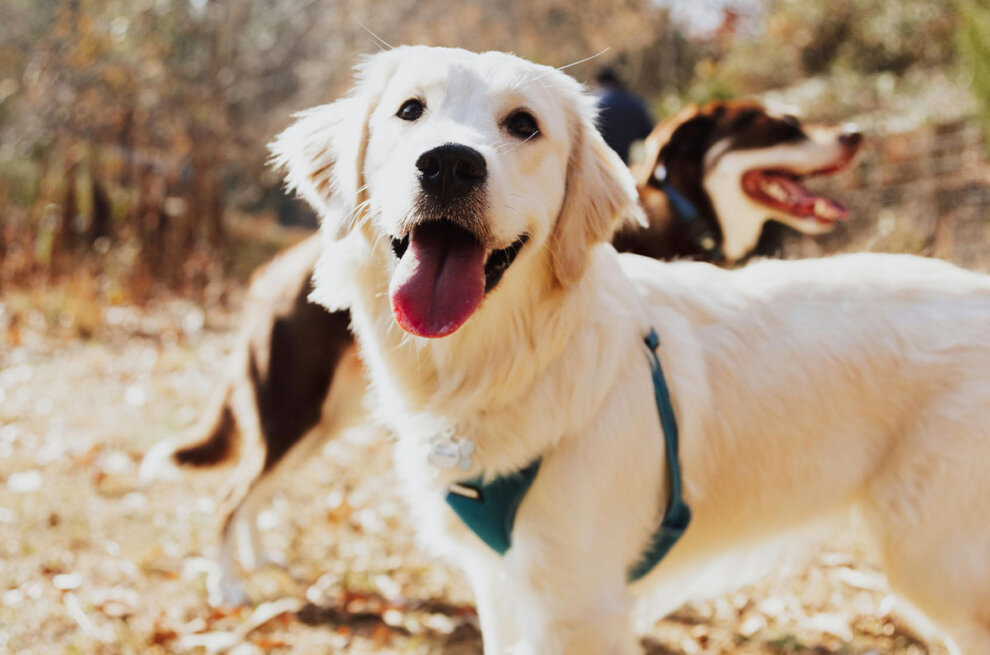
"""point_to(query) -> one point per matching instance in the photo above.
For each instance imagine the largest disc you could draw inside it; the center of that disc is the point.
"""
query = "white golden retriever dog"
(467, 200)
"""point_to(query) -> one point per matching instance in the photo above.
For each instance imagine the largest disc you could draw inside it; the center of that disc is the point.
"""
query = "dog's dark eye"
(522, 124)
(411, 110)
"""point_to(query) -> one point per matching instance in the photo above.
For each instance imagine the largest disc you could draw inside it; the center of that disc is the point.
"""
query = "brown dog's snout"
(451, 170)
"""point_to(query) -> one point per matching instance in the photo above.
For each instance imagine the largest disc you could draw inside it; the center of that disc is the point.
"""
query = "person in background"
(622, 115)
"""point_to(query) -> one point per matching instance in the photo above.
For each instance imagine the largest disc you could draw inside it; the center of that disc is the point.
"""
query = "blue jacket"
(622, 118)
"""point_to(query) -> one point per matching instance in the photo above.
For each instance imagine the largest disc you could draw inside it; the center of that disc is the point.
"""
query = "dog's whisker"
(379, 41)
(355, 215)
(354, 218)
(565, 66)
(509, 147)
(516, 145)
(586, 59)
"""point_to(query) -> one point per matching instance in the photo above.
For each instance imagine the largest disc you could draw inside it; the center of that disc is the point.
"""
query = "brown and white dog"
(739, 207)
(295, 379)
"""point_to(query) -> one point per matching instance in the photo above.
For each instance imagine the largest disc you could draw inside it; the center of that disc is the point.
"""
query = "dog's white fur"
(802, 389)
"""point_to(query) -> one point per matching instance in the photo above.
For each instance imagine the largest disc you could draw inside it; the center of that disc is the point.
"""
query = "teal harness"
(489, 508)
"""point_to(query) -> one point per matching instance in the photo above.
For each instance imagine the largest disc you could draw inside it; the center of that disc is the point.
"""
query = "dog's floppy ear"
(657, 139)
(322, 152)
(599, 194)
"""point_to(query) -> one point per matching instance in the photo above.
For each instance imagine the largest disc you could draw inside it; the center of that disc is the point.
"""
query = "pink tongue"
(807, 204)
(440, 280)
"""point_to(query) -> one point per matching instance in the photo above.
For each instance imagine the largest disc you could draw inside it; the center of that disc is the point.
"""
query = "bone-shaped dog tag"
(444, 453)
(448, 451)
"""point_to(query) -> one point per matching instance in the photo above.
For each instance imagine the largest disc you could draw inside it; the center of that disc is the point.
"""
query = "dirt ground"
(91, 562)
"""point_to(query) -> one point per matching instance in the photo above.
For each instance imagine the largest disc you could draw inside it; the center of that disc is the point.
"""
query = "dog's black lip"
(399, 245)
(496, 265)
(500, 260)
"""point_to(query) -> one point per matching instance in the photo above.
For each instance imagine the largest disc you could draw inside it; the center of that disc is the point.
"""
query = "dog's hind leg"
(239, 530)
(252, 555)
(945, 575)
(929, 507)
(342, 408)
(223, 584)
(969, 638)
(253, 484)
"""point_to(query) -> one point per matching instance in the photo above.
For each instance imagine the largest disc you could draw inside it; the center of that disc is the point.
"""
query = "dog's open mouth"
(443, 274)
(783, 191)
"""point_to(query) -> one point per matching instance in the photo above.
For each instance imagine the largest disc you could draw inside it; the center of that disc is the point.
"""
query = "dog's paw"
(265, 559)
(274, 559)
(225, 592)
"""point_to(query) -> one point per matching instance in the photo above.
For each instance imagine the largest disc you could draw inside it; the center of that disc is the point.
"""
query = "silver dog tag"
(465, 448)
(448, 451)
(444, 453)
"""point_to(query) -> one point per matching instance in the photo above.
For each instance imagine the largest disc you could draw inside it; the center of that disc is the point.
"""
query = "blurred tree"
(138, 125)
(973, 42)
(790, 40)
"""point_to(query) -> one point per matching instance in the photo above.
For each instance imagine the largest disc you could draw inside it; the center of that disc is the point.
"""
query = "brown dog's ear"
(599, 194)
(657, 139)
(322, 153)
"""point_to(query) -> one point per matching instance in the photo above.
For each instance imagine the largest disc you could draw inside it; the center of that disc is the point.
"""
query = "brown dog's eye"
(411, 110)
(521, 124)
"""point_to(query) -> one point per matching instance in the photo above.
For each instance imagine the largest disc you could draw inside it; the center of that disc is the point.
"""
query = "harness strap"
(678, 515)
(489, 508)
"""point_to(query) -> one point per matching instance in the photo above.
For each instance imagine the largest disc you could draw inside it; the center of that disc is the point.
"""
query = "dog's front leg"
(496, 609)
(524, 614)
(577, 624)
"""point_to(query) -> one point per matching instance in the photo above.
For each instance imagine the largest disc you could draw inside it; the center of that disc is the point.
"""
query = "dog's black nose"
(451, 170)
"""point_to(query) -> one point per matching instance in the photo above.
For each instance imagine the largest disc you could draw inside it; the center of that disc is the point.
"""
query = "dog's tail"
(213, 441)
(217, 438)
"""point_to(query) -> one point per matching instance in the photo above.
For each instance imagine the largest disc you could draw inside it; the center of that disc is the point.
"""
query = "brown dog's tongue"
(440, 280)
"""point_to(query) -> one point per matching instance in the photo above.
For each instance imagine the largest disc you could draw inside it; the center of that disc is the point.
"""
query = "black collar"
(698, 231)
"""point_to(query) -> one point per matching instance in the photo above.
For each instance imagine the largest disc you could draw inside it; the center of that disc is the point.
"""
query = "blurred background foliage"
(973, 42)
(132, 133)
